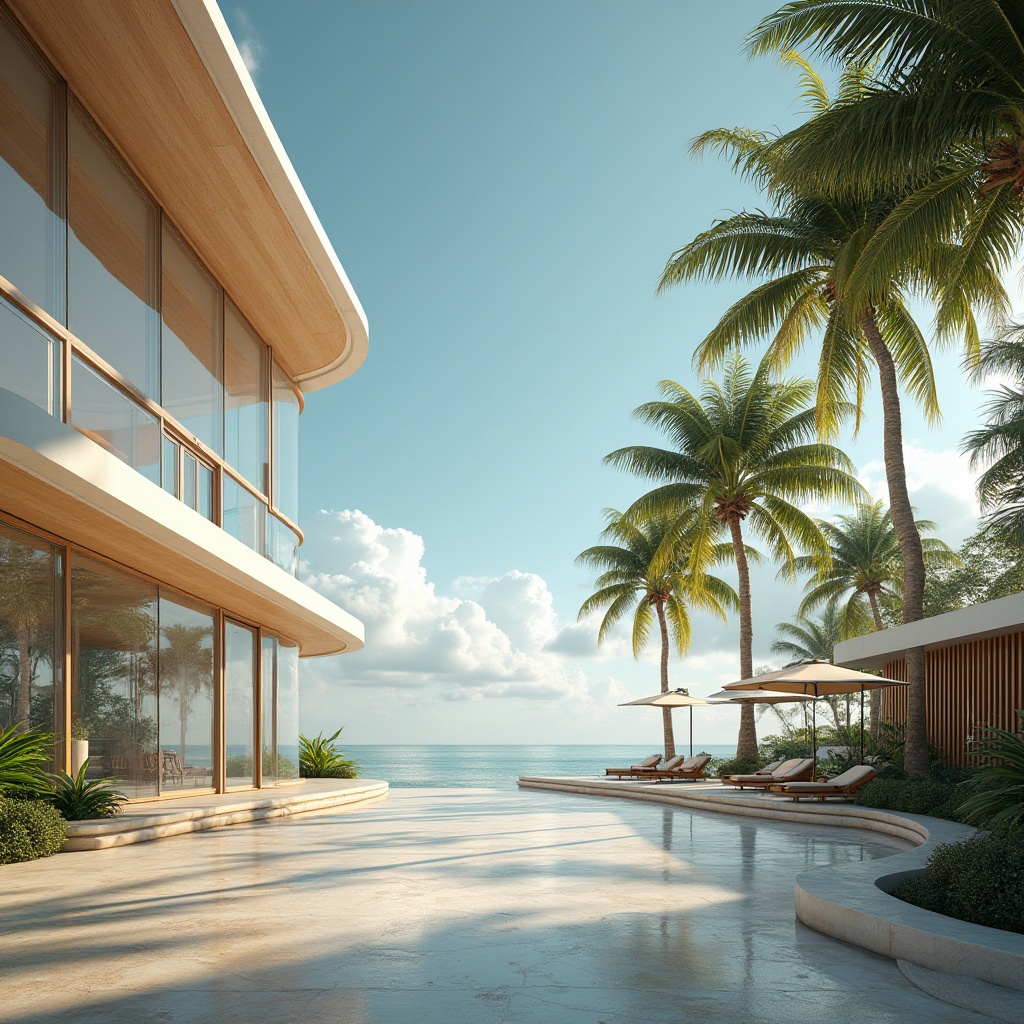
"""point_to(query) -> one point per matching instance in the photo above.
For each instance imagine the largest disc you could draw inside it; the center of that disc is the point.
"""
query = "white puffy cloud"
(250, 46)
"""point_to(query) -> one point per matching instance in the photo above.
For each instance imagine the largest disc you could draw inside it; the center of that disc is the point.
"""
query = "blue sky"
(503, 184)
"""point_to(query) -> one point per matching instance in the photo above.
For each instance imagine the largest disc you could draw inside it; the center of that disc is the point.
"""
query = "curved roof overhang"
(53, 478)
(166, 82)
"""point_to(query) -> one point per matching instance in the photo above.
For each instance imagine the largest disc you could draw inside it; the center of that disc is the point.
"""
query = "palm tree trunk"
(666, 713)
(24, 702)
(916, 744)
(746, 743)
(876, 695)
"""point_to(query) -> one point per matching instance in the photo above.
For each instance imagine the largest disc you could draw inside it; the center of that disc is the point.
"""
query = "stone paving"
(444, 907)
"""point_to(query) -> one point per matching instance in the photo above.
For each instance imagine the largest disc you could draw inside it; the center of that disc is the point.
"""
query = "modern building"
(167, 298)
(974, 671)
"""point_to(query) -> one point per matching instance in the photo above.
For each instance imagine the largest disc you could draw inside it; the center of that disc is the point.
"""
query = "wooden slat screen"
(967, 686)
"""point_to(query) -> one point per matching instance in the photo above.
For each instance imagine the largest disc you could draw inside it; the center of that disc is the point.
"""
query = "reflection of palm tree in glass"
(186, 668)
(26, 605)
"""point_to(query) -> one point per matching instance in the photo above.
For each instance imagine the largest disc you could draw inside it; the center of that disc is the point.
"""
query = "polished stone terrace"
(444, 907)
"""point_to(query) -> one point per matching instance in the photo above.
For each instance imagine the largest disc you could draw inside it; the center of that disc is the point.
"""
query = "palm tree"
(807, 639)
(999, 444)
(744, 451)
(824, 274)
(186, 669)
(635, 577)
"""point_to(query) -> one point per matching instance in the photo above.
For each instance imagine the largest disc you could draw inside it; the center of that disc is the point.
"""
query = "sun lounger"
(636, 769)
(796, 769)
(769, 768)
(846, 785)
(692, 768)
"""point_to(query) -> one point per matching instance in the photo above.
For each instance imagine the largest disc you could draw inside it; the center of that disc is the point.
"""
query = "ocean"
(498, 766)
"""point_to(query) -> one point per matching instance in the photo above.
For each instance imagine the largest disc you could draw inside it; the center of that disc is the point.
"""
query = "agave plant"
(320, 759)
(23, 756)
(79, 799)
(998, 788)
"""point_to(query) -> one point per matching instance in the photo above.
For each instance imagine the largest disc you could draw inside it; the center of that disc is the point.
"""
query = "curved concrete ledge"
(144, 822)
(854, 904)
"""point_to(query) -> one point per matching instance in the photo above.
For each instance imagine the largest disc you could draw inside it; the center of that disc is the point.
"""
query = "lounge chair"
(796, 769)
(769, 768)
(692, 768)
(636, 769)
(846, 785)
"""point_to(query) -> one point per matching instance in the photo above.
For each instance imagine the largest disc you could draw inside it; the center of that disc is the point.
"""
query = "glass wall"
(285, 496)
(113, 420)
(32, 233)
(287, 690)
(282, 545)
(244, 515)
(113, 677)
(186, 695)
(240, 667)
(246, 400)
(31, 631)
(191, 349)
(27, 356)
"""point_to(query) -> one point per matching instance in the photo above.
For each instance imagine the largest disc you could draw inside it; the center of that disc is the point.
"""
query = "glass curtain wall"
(32, 187)
(285, 496)
(28, 356)
(31, 636)
(287, 699)
(240, 667)
(114, 651)
(113, 258)
(191, 349)
(246, 400)
(186, 695)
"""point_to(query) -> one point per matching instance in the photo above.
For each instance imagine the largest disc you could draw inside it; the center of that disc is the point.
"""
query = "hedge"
(29, 829)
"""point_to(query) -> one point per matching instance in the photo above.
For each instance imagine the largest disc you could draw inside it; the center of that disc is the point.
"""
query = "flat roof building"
(167, 297)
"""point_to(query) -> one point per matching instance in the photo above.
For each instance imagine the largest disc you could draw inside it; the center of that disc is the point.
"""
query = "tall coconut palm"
(807, 638)
(637, 578)
(999, 444)
(744, 451)
(811, 251)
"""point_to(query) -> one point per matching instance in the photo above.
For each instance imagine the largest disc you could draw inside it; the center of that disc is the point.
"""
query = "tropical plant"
(999, 444)
(997, 789)
(186, 669)
(81, 799)
(29, 829)
(320, 759)
(744, 455)
(807, 639)
(646, 572)
(988, 568)
(23, 759)
(825, 270)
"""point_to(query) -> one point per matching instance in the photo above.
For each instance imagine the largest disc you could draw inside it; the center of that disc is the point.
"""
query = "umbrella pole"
(691, 730)
(862, 724)
(814, 735)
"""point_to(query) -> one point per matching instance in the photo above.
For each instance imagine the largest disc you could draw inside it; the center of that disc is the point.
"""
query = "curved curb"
(854, 904)
(135, 827)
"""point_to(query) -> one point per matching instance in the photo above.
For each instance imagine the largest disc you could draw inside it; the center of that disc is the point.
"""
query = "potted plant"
(79, 745)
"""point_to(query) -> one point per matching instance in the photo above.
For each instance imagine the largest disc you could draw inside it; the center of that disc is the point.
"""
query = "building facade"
(974, 672)
(167, 297)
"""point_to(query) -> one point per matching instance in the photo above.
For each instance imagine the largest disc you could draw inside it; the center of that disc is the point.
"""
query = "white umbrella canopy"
(673, 699)
(757, 697)
(818, 679)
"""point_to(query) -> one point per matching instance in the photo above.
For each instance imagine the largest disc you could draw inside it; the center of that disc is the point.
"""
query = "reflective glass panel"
(31, 635)
(186, 695)
(113, 674)
(239, 709)
(285, 496)
(244, 515)
(268, 714)
(188, 489)
(191, 345)
(246, 399)
(32, 230)
(171, 449)
(282, 545)
(113, 258)
(287, 687)
(204, 491)
(114, 421)
(27, 358)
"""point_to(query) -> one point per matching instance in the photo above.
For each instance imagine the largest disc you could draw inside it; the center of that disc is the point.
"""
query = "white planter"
(79, 755)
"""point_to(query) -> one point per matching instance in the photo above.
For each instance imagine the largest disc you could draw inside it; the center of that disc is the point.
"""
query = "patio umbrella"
(760, 697)
(818, 679)
(673, 699)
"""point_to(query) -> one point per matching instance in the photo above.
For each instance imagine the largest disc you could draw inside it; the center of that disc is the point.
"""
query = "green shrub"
(320, 759)
(737, 766)
(782, 748)
(938, 795)
(240, 766)
(997, 789)
(77, 799)
(23, 758)
(29, 829)
(980, 880)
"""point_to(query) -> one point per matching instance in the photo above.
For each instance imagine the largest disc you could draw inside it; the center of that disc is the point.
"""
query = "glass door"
(240, 668)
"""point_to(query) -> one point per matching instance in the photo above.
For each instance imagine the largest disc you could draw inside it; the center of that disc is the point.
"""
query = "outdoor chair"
(796, 769)
(691, 769)
(846, 785)
(175, 771)
(636, 769)
(769, 768)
